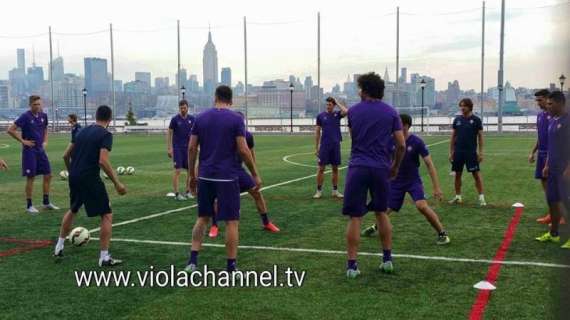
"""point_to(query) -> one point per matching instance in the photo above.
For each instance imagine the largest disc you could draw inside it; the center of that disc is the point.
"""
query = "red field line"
(478, 308)
(25, 246)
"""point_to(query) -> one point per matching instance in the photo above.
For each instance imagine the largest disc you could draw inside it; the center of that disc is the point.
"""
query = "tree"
(131, 120)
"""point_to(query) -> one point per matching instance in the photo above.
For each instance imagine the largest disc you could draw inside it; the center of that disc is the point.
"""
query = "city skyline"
(268, 43)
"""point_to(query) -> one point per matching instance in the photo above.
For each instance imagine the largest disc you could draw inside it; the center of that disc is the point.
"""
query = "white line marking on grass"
(160, 214)
(337, 252)
(4, 146)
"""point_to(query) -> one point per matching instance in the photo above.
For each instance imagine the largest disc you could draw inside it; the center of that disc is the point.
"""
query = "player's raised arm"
(247, 158)
(399, 152)
(342, 107)
(437, 193)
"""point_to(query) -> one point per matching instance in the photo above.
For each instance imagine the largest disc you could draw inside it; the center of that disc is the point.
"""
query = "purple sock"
(46, 198)
(28, 203)
(352, 264)
(232, 264)
(193, 257)
(264, 218)
(387, 255)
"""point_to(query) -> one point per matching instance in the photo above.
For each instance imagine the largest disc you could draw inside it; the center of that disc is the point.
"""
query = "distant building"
(210, 66)
(21, 53)
(96, 78)
(239, 89)
(453, 93)
(35, 79)
(192, 84)
(182, 78)
(144, 77)
(308, 84)
(4, 94)
(57, 69)
(161, 85)
(227, 77)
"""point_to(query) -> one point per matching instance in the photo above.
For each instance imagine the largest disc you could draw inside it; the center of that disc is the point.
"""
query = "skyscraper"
(35, 78)
(58, 71)
(4, 94)
(308, 85)
(96, 79)
(227, 77)
(21, 59)
(181, 81)
(144, 77)
(210, 66)
(404, 75)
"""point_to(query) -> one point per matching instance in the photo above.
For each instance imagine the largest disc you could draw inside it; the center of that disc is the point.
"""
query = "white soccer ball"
(63, 174)
(121, 171)
(79, 236)
(130, 171)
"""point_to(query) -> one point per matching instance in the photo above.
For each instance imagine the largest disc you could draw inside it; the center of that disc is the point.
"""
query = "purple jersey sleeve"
(478, 124)
(21, 121)
(397, 123)
(422, 149)
(46, 119)
(195, 127)
(454, 126)
(319, 121)
(172, 124)
(107, 142)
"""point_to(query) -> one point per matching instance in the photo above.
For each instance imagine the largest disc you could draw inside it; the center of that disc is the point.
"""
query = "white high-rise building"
(210, 66)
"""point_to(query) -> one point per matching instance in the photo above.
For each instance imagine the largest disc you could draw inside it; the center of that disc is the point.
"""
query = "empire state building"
(210, 65)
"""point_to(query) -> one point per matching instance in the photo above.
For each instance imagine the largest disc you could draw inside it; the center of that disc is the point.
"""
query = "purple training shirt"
(542, 122)
(217, 130)
(372, 125)
(33, 127)
(558, 144)
(330, 125)
(182, 128)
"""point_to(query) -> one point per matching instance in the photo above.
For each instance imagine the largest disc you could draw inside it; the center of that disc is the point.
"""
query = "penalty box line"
(160, 214)
(338, 252)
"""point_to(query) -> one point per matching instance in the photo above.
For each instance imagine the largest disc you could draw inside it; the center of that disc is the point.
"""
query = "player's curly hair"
(467, 102)
(371, 85)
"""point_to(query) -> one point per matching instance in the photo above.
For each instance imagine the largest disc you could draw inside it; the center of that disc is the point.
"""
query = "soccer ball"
(130, 171)
(121, 171)
(63, 174)
(79, 236)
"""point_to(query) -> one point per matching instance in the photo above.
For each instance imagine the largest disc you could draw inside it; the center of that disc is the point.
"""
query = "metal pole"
(178, 68)
(396, 98)
(423, 109)
(318, 61)
(113, 77)
(482, 61)
(53, 114)
(245, 67)
(501, 61)
(85, 110)
(291, 110)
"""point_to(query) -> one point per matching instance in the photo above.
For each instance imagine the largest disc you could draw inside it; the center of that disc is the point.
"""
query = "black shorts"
(465, 159)
(91, 193)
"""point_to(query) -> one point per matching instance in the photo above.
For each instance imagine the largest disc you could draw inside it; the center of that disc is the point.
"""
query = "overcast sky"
(442, 41)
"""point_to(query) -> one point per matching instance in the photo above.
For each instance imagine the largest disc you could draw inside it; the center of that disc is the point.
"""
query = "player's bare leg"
(175, 185)
(46, 186)
(261, 206)
(232, 241)
(385, 237)
(352, 243)
(29, 193)
(105, 259)
(335, 192)
(547, 218)
(66, 224)
(197, 239)
(320, 180)
(479, 186)
(457, 184)
(433, 219)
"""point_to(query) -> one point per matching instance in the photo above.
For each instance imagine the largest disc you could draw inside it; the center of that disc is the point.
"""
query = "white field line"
(337, 252)
(160, 214)
(4, 146)
(287, 157)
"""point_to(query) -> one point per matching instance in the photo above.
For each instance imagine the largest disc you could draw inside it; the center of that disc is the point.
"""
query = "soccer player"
(34, 139)
(327, 145)
(3, 165)
(219, 133)
(246, 184)
(88, 154)
(409, 181)
(373, 125)
(466, 137)
(539, 152)
(557, 168)
(178, 138)
(75, 127)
